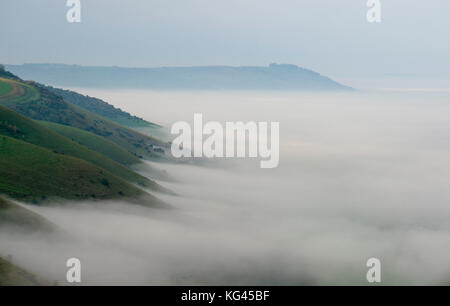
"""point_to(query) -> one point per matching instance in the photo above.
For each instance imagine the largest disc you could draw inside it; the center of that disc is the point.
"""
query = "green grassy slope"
(15, 125)
(108, 149)
(50, 107)
(12, 275)
(5, 88)
(94, 142)
(19, 92)
(35, 101)
(32, 173)
(101, 108)
(21, 219)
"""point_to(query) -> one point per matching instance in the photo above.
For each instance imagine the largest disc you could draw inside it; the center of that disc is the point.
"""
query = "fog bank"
(361, 175)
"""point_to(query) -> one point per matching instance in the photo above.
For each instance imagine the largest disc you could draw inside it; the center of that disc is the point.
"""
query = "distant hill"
(272, 77)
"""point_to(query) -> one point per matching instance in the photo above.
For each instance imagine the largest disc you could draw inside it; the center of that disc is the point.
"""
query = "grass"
(37, 163)
(31, 173)
(5, 88)
(37, 102)
(53, 108)
(132, 141)
(20, 92)
(94, 142)
(103, 109)
(15, 125)
(134, 122)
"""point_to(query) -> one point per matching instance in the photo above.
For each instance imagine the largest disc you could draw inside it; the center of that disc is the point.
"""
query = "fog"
(361, 175)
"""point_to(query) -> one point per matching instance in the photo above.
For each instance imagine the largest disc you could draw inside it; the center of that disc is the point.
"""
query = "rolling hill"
(15, 92)
(17, 126)
(94, 142)
(36, 102)
(38, 162)
(75, 155)
(32, 173)
(108, 149)
(101, 108)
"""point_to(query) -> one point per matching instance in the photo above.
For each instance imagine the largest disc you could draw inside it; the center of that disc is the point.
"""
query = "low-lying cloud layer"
(360, 176)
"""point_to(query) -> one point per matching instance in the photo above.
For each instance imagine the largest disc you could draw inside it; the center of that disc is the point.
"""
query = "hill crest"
(271, 77)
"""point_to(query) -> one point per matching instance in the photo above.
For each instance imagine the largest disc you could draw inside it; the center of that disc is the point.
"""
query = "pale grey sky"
(332, 37)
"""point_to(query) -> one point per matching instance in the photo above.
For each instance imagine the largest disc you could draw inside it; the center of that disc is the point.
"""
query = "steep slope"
(36, 102)
(32, 173)
(108, 149)
(17, 126)
(94, 142)
(101, 108)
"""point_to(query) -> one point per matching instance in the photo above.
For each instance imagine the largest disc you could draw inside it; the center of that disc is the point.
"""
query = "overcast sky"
(329, 36)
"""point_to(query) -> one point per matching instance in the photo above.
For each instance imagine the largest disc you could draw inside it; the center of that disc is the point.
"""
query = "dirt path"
(17, 93)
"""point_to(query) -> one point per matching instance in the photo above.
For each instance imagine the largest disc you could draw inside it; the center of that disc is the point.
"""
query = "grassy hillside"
(17, 126)
(101, 108)
(107, 148)
(36, 102)
(13, 275)
(32, 173)
(94, 142)
(5, 88)
(21, 219)
(15, 92)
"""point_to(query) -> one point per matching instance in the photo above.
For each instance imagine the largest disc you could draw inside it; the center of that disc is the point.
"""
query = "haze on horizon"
(330, 37)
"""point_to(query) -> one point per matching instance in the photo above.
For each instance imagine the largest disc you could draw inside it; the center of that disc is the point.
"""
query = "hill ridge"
(271, 77)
